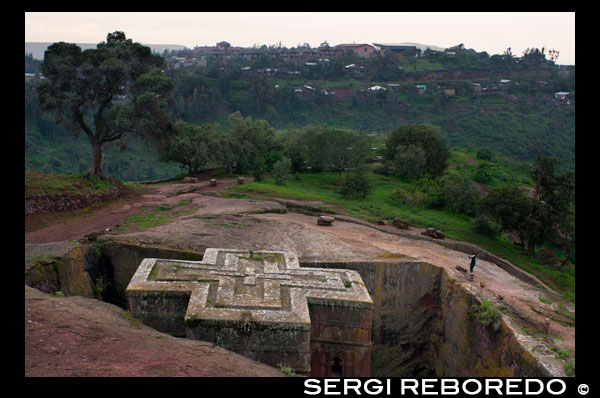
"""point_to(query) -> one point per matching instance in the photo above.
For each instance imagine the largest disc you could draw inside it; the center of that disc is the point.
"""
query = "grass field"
(37, 183)
(379, 205)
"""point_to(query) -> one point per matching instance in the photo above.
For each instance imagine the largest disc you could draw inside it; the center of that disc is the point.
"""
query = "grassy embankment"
(75, 184)
(379, 205)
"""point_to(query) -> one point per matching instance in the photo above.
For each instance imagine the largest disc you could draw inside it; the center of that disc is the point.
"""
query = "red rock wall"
(343, 333)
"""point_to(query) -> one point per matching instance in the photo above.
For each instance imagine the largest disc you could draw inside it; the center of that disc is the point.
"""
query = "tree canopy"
(424, 136)
(106, 92)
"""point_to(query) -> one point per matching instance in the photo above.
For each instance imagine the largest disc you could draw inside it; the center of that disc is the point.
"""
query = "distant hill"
(38, 48)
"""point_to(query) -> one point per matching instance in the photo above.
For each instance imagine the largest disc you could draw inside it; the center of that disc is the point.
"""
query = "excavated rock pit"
(424, 323)
(425, 317)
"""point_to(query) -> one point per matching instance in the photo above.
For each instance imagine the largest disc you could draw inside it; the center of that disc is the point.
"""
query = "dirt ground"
(65, 228)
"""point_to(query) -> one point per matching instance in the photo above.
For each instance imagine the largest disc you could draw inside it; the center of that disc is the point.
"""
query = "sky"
(481, 31)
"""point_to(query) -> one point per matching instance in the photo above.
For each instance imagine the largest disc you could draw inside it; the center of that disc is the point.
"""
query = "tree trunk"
(566, 260)
(96, 169)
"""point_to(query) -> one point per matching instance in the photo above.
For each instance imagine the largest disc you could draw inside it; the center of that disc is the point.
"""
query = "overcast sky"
(491, 32)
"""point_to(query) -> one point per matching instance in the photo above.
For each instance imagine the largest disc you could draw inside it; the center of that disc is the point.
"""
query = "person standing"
(472, 257)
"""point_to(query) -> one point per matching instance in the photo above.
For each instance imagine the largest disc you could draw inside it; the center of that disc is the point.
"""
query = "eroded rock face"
(424, 324)
(78, 336)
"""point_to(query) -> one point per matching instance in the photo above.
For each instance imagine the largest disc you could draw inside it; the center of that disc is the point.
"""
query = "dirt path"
(65, 228)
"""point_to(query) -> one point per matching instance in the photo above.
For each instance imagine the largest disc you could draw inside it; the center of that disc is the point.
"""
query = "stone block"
(262, 305)
(325, 220)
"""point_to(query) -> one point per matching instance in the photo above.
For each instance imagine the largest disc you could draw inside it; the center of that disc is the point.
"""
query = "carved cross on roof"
(238, 285)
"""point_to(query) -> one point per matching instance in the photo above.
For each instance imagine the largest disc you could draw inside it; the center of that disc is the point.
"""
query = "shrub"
(488, 315)
(357, 184)
(259, 167)
(485, 154)
(281, 170)
(482, 176)
(424, 136)
(410, 197)
(384, 169)
(460, 194)
(484, 225)
(410, 162)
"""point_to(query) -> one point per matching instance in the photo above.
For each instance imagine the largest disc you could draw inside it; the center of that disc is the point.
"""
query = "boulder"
(213, 182)
(240, 180)
(190, 180)
(325, 220)
(433, 233)
(400, 224)
(381, 222)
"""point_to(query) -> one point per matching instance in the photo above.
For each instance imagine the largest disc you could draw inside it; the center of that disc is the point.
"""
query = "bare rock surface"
(241, 224)
(77, 336)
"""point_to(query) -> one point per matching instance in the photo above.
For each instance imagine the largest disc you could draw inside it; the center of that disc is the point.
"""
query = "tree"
(249, 138)
(281, 170)
(259, 167)
(344, 149)
(295, 148)
(460, 194)
(534, 56)
(424, 136)
(357, 184)
(410, 162)
(557, 193)
(106, 92)
(514, 210)
(194, 146)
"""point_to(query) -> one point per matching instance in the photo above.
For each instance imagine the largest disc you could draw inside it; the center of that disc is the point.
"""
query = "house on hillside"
(360, 50)
(223, 45)
(329, 52)
(450, 92)
(562, 95)
(476, 87)
(395, 49)
(421, 88)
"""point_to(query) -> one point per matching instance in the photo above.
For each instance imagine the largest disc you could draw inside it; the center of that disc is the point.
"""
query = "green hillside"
(513, 118)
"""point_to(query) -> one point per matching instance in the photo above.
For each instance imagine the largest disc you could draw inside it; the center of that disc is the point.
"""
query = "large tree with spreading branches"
(107, 92)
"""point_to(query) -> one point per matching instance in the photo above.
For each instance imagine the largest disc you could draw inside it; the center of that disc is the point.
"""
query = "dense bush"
(410, 162)
(482, 175)
(281, 170)
(357, 184)
(424, 136)
(484, 225)
(460, 194)
(485, 154)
